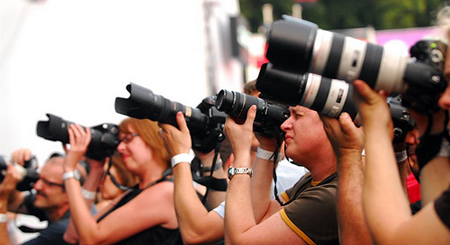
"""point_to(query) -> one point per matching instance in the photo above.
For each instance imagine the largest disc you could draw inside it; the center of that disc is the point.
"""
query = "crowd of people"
(338, 182)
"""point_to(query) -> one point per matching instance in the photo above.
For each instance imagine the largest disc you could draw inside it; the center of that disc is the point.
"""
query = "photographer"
(48, 201)
(144, 214)
(251, 217)
(197, 224)
(392, 222)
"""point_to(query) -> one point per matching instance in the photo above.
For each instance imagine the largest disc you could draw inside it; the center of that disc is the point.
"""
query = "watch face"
(230, 172)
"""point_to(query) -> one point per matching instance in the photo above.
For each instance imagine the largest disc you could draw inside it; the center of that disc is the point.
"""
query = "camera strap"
(113, 178)
(208, 186)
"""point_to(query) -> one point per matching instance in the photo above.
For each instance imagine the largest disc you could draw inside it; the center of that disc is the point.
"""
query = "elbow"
(90, 241)
(191, 238)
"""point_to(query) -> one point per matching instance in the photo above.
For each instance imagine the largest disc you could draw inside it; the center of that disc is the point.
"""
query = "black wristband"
(428, 148)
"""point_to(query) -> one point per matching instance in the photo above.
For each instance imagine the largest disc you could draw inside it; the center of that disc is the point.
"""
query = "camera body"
(298, 46)
(205, 122)
(269, 116)
(430, 52)
(104, 137)
(402, 120)
(28, 173)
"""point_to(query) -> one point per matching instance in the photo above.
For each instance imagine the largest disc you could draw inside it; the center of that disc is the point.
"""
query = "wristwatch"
(232, 171)
(72, 174)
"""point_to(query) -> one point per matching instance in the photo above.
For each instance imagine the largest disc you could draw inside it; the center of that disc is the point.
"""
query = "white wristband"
(401, 156)
(268, 155)
(183, 157)
(3, 218)
(88, 195)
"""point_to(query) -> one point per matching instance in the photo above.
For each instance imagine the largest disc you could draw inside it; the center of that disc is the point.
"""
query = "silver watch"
(232, 171)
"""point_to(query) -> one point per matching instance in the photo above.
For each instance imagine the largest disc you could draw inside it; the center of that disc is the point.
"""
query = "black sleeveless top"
(153, 235)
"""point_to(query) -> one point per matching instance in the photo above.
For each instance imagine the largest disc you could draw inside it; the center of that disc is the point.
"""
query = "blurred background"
(73, 58)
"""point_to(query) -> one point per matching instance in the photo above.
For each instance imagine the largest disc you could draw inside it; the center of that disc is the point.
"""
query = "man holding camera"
(307, 213)
(47, 201)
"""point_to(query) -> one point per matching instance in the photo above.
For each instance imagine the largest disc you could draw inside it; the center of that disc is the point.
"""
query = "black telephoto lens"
(269, 116)
(104, 137)
(300, 46)
(143, 103)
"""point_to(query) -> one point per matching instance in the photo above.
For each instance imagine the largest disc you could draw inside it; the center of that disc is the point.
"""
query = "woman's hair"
(128, 179)
(148, 131)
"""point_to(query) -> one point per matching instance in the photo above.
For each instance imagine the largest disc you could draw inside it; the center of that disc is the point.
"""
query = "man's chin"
(39, 202)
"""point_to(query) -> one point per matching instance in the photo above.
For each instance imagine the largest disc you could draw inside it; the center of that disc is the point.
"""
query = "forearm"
(91, 184)
(260, 185)
(3, 224)
(353, 227)
(85, 225)
(383, 198)
(239, 215)
(191, 213)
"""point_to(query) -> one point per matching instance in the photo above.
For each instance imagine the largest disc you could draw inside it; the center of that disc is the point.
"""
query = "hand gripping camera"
(104, 140)
(28, 173)
(205, 122)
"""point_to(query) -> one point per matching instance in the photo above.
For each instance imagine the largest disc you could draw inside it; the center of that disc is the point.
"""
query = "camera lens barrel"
(300, 46)
(104, 137)
(327, 96)
(143, 103)
(236, 105)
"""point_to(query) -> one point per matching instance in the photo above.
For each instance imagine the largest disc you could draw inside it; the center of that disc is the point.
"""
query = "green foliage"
(343, 14)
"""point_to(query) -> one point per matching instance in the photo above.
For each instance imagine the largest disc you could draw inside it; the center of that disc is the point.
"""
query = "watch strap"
(71, 174)
(232, 171)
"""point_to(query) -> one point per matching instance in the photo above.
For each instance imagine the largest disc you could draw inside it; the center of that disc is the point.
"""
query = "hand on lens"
(343, 134)
(241, 135)
(177, 141)
(10, 181)
(20, 156)
(79, 140)
(372, 106)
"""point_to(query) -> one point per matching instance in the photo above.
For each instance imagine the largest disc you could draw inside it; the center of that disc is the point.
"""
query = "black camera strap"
(208, 186)
(275, 159)
(113, 178)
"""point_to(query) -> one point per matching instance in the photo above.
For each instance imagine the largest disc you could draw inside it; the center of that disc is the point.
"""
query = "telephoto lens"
(143, 103)
(327, 96)
(104, 137)
(269, 116)
(205, 122)
(299, 46)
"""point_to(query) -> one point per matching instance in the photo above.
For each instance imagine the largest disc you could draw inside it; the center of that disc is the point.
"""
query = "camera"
(269, 116)
(104, 139)
(327, 96)
(431, 52)
(28, 172)
(402, 120)
(299, 46)
(205, 122)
